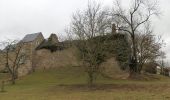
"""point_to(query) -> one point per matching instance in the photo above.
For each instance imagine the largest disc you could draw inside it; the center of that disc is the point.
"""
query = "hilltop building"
(40, 54)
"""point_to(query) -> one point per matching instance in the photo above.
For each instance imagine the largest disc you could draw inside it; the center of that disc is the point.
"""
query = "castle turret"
(53, 38)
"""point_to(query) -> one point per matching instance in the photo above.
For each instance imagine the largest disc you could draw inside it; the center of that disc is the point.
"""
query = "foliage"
(118, 45)
(112, 45)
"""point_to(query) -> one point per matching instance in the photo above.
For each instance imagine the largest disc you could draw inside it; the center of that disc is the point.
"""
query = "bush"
(150, 68)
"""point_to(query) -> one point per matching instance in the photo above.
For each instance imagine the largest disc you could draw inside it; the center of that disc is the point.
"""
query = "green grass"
(70, 84)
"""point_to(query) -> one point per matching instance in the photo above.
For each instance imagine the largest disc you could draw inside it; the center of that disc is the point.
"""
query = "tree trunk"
(134, 75)
(13, 79)
(90, 78)
(2, 86)
(133, 66)
(133, 61)
(132, 70)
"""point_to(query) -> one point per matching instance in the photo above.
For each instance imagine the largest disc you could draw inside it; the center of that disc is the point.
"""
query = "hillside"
(69, 83)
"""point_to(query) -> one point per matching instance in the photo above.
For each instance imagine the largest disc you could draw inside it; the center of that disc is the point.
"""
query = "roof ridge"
(30, 37)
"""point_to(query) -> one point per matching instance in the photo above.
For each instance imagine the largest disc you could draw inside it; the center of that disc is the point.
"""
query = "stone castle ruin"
(40, 54)
(49, 53)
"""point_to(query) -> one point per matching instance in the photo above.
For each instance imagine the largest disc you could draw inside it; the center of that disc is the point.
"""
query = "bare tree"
(131, 20)
(148, 47)
(162, 63)
(13, 55)
(85, 27)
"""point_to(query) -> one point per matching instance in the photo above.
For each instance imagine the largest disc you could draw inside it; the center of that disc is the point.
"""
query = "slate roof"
(31, 37)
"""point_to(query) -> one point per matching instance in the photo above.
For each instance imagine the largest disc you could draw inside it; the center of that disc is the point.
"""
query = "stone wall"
(25, 69)
(29, 50)
(45, 59)
(41, 59)
(2, 62)
(111, 68)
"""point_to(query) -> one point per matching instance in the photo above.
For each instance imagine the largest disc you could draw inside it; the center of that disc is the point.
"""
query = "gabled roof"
(31, 37)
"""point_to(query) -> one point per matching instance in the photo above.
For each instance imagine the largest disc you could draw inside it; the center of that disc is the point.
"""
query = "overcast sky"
(21, 17)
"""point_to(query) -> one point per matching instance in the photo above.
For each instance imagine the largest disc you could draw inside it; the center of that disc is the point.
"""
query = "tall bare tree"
(13, 55)
(132, 20)
(149, 47)
(85, 27)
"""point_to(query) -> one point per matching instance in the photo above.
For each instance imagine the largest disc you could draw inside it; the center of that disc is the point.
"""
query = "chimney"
(113, 29)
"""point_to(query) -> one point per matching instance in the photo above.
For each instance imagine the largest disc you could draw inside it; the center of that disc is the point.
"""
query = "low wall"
(46, 59)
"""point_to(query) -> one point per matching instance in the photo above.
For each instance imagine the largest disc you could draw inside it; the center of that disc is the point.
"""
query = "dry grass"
(70, 84)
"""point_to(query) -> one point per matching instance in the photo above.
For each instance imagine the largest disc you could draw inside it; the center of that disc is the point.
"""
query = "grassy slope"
(69, 84)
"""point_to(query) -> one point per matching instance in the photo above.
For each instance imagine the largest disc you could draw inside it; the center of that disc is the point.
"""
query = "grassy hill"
(69, 83)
